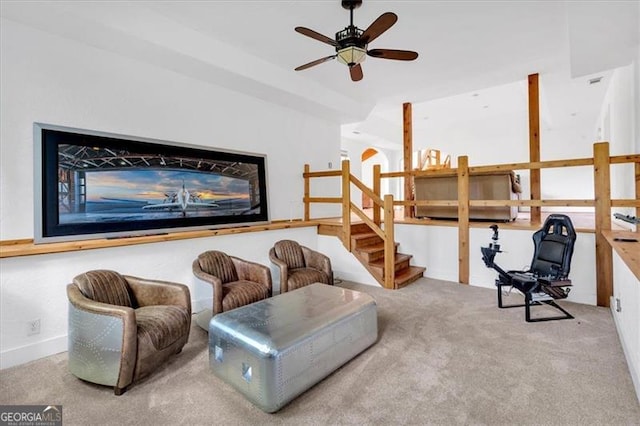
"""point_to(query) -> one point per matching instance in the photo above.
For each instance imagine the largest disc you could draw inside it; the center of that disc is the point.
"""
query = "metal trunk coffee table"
(273, 350)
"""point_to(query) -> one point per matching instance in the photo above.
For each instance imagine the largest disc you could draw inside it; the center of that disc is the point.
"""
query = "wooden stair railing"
(371, 241)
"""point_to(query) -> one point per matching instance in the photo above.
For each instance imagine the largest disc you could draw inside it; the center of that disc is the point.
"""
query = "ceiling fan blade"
(317, 36)
(316, 62)
(380, 25)
(399, 55)
(356, 72)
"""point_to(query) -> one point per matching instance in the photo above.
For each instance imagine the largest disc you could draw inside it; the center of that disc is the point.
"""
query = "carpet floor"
(445, 355)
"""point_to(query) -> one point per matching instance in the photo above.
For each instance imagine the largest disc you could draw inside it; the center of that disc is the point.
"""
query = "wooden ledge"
(629, 251)
(26, 247)
(517, 224)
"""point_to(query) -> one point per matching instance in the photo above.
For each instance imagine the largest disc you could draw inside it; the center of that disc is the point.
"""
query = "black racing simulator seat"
(547, 277)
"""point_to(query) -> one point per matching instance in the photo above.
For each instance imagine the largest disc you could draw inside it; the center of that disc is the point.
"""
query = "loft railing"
(602, 202)
(383, 228)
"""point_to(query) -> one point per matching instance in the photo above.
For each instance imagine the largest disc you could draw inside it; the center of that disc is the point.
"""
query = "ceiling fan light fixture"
(351, 55)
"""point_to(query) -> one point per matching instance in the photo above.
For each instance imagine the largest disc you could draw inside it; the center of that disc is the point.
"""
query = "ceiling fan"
(351, 43)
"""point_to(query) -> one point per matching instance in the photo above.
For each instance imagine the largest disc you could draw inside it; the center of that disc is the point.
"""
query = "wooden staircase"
(372, 239)
(368, 248)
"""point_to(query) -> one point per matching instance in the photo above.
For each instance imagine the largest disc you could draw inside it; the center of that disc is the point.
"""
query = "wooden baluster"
(602, 193)
(307, 187)
(637, 168)
(376, 190)
(346, 204)
(534, 146)
(407, 156)
(389, 243)
(463, 220)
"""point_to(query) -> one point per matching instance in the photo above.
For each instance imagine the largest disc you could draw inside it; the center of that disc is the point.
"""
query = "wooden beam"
(537, 165)
(389, 244)
(602, 193)
(346, 204)
(407, 149)
(336, 200)
(307, 185)
(534, 144)
(621, 159)
(463, 220)
(638, 193)
(325, 173)
(363, 216)
(376, 190)
(26, 247)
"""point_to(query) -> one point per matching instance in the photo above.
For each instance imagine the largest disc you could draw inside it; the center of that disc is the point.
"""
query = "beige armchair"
(300, 266)
(121, 328)
(236, 282)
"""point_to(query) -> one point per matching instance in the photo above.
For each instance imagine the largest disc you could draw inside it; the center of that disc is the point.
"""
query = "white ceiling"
(464, 47)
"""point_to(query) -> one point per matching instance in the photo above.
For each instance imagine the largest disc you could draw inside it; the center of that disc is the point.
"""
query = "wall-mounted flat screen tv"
(93, 184)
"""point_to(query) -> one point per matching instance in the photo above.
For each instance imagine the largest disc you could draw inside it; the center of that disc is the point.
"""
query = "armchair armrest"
(318, 261)
(155, 292)
(215, 282)
(252, 271)
(116, 347)
(284, 275)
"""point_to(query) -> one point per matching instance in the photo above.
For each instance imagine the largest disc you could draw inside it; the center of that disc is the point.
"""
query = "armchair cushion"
(236, 282)
(304, 276)
(299, 265)
(162, 325)
(240, 293)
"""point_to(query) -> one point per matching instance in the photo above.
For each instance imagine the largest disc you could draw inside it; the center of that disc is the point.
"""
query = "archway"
(370, 157)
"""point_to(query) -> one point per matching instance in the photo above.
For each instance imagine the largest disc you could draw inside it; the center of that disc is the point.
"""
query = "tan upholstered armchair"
(121, 328)
(236, 282)
(300, 266)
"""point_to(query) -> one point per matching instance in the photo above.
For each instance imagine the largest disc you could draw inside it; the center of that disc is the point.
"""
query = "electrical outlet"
(33, 327)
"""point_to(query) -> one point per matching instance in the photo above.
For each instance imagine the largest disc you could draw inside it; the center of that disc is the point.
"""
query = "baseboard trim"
(24, 354)
(633, 369)
(201, 304)
(55, 345)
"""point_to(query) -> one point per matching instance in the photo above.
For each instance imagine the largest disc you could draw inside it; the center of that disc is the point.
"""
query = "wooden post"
(376, 190)
(407, 149)
(307, 215)
(534, 145)
(637, 193)
(463, 220)
(346, 204)
(389, 244)
(602, 193)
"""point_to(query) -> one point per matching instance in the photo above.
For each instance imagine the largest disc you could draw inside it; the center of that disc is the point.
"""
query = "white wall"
(345, 265)
(626, 286)
(50, 79)
(34, 287)
(619, 117)
(388, 163)
(625, 308)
